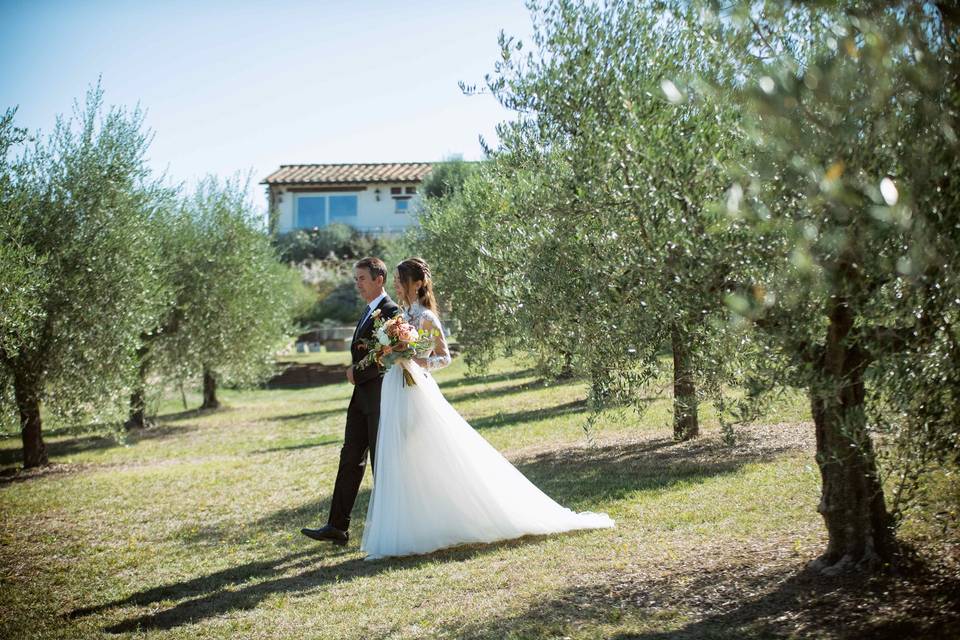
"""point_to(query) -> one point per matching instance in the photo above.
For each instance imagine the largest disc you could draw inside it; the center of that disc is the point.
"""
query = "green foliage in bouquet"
(394, 340)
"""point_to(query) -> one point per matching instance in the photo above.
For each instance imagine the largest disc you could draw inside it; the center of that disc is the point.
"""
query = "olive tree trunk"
(685, 424)
(209, 390)
(851, 502)
(138, 402)
(27, 387)
(567, 372)
(138, 409)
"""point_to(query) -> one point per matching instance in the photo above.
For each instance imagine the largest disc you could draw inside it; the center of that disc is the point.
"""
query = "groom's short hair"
(375, 266)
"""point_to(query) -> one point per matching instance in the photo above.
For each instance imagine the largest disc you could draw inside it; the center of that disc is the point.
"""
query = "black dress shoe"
(327, 533)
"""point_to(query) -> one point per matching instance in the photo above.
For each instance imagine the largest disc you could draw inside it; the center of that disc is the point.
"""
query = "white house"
(380, 197)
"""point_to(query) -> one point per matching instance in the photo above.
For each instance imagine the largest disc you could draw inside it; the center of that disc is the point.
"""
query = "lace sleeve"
(440, 355)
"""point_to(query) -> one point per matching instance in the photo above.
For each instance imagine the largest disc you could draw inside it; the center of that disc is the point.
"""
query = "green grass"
(190, 529)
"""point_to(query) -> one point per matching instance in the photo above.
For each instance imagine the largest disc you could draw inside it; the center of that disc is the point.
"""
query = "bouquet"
(394, 340)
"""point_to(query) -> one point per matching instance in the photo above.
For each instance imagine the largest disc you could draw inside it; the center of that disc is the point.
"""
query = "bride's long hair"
(416, 269)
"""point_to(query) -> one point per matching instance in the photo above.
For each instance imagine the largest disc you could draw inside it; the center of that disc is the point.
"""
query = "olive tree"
(234, 299)
(78, 282)
(604, 198)
(446, 178)
(855, 165)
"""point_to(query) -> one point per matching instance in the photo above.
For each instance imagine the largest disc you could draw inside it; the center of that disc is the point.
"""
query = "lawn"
(191, 530)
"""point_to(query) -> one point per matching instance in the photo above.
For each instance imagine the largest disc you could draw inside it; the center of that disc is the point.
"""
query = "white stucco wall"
(372, 214)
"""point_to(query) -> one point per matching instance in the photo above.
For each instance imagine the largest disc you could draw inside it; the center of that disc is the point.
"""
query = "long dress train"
(438, 483)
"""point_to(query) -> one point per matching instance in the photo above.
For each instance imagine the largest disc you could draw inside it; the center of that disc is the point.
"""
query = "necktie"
(363, 319)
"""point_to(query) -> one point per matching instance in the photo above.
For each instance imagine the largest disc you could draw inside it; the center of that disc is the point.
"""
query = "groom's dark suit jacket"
(368, 380)
(363, 417)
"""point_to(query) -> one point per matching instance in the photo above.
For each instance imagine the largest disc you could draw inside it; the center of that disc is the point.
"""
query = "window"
(411, 190)
(342, 207)
(319, 211)
(402, 205)
(395, 191)
(311, 212)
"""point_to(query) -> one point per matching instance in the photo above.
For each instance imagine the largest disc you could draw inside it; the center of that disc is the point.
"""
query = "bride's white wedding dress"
(438, 483)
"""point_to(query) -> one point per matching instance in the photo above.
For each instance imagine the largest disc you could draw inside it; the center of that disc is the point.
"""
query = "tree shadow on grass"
(324, 442)
(315, 415)
(531, 415)
(579, 477)
(190, 413)
(204, 584)
(228, 590)
(772, 596)
(495, 392)
(62, 448)
(486, 379)
(83, 444)
(308, 514)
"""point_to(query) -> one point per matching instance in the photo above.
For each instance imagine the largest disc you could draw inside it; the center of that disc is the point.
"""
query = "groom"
(363, 414)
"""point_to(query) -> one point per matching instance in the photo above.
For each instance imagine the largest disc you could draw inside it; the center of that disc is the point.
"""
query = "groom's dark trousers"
(363, 416)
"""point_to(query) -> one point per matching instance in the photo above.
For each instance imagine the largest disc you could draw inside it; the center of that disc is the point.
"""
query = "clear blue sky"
(234, 85)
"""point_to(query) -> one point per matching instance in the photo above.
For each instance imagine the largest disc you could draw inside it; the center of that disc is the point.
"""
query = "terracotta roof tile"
(349, 173)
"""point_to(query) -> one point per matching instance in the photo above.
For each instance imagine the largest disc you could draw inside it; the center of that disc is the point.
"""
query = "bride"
(437, 482)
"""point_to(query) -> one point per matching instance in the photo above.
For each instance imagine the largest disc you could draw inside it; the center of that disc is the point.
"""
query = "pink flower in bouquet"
(408, 334)
(392, 326)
